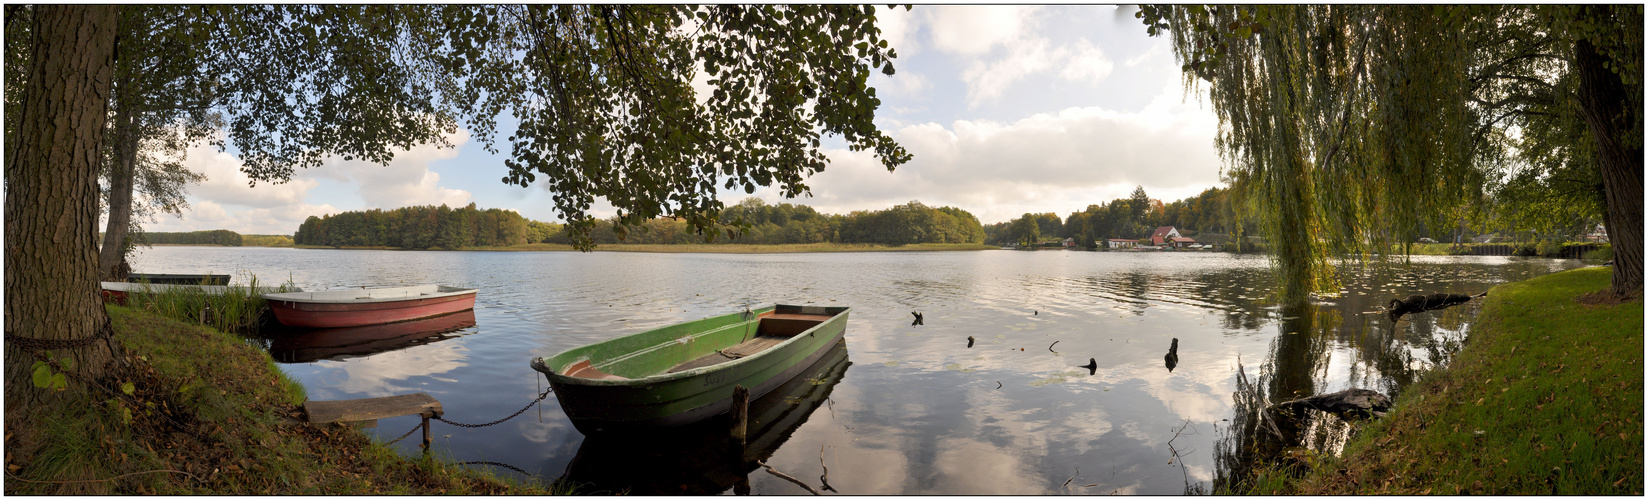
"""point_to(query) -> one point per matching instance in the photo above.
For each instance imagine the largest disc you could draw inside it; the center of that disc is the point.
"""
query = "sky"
(1007, 109)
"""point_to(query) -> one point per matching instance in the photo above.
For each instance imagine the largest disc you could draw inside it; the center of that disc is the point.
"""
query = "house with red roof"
(1168, 236)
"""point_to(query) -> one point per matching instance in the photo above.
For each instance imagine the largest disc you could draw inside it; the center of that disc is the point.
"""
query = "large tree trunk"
(51, 199)
(1607, 110)
(121, 170)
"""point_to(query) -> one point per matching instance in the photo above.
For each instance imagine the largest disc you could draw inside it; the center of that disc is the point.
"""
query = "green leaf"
(128, 388)
(42, 375)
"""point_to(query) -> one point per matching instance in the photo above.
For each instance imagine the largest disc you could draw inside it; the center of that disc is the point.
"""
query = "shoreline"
(1548, 385)
(221, 418)
(701, 248)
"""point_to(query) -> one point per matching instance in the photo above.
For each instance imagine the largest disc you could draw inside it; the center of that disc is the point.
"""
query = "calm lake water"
(901, 409)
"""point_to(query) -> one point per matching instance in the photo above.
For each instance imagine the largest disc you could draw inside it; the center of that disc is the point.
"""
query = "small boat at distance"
(368, 306)
(119, 291)
(179, 279)
(685, 373)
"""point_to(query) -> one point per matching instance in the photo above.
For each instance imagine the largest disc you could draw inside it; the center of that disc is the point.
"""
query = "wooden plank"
(747, 348)
(355, 410)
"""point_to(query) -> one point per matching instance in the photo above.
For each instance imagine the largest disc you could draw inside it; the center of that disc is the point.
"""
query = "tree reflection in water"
(1389, 357)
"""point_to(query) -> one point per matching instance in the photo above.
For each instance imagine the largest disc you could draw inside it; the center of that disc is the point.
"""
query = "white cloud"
(988, 81)
(898, 28)
(226, 184)
(1156, 50)
(1046, 162)
(974, 30)
(207, 215)
(225, 200)
(406, 180)
(1087, 63)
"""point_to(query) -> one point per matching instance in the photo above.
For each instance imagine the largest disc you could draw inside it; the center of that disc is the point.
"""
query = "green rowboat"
(686, 372)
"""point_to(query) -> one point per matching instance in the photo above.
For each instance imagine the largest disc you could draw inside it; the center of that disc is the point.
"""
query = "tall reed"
(237, 308)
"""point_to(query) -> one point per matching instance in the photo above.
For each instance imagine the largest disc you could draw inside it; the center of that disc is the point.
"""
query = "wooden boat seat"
(773, 329)
(582, 369)
(787, 325)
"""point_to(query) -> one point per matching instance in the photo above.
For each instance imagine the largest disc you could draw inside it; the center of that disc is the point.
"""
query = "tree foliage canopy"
(1345, 127)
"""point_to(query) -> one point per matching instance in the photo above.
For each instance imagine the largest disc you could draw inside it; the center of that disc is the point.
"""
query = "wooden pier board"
(367, 411)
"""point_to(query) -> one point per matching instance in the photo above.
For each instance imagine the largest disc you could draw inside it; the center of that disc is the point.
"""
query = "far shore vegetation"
(1545, 399)
(753, 226)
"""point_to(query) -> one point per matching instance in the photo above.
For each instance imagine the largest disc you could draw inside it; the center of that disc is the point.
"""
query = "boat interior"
(772, 328)
(372, 294)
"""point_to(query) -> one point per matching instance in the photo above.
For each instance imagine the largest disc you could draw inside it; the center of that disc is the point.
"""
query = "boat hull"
(674, 399)
(307, 345)
(699, 459)
(307, 314)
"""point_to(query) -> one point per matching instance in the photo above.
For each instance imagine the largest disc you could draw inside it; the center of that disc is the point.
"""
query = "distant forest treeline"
(784, 223)
(216, 237)
(427, 227)
(423, 227)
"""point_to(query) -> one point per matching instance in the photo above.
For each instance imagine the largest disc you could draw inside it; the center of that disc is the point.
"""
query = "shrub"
(1550, 248)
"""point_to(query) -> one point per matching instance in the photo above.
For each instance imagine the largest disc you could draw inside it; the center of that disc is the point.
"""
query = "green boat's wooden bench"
(366, 412)
(774, 329)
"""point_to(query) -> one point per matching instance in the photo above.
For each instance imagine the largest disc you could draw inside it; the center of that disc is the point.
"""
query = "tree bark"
(1607, 111)
(121, 170)
(51, 198)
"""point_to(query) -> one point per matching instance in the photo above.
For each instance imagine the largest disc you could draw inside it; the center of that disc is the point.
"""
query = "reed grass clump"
(233, 308)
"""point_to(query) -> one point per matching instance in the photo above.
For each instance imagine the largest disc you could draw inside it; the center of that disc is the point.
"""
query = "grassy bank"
(1546, 399)
(723, 248)
(206, 413)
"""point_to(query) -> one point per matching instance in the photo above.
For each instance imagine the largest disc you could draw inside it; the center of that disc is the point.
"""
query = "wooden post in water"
(425, 432)
(740, 412)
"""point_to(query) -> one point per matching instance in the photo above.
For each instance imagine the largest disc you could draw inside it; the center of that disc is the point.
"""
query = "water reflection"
(920, 413)
(703, 459)
(306, 345)
(1297, 366)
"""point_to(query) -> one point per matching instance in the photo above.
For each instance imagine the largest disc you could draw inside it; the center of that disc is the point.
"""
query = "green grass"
(208, 414)
(1546, 399)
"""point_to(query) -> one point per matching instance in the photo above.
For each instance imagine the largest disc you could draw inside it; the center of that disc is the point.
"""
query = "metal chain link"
(403, 436)
(501, 420)
(507, 466)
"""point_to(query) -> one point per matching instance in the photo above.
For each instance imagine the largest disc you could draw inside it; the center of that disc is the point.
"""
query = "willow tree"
(1346, 126)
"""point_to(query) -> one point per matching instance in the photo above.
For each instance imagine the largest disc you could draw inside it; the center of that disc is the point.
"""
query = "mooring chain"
(507, 466)
(408, 433)
(501, 420)
(31, 344)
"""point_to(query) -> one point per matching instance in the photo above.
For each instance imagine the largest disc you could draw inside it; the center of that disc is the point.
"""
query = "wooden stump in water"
(1348, 404)
(740, 412)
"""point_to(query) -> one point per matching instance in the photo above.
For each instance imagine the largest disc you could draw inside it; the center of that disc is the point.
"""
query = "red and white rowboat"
(368, 306)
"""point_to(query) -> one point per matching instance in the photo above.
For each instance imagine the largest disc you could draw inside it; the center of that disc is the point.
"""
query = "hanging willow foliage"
(1345, 127)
